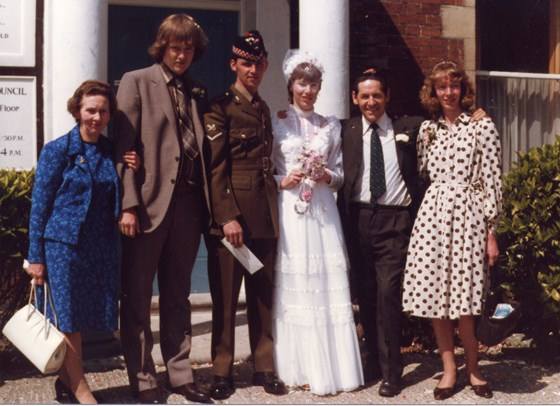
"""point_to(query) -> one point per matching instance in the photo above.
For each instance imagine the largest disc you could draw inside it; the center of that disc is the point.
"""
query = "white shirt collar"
(383, 122)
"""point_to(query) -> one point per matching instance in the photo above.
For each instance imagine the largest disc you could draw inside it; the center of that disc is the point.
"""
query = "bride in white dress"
(316, 344)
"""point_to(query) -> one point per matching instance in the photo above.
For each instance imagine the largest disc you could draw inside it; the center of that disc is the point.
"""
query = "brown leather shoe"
(484, 391)
(444, 393)
(388, 390)
(191, 392)
(150, 397)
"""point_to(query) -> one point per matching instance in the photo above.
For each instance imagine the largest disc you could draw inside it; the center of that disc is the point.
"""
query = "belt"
(251, 164)
(379, 207)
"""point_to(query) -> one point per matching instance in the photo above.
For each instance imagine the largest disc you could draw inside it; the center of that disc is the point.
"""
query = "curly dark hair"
(446, 70)
(179, 27)
(91, 88)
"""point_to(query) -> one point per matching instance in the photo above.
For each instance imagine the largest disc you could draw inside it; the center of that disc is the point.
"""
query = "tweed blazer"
(62, 192)
(241, 183)
(146, 122)
(352, 157)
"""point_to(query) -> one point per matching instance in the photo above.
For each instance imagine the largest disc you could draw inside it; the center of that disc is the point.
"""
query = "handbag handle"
(47, 297)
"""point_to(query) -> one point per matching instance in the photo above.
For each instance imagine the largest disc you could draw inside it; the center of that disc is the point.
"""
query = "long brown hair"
(306, 71)
(179, 27)
(446, 70)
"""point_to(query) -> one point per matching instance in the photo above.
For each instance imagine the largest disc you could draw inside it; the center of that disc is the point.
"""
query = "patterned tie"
(185, 122)
(377, 168)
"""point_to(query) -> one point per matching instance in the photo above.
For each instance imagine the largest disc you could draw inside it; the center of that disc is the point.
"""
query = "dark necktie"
(185, 122)
(377, 168)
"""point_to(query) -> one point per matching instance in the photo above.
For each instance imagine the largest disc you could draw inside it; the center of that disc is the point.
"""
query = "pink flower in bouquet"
(306, 196)
(313, 163)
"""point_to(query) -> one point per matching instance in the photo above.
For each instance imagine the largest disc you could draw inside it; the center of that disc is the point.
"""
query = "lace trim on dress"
(309, 264)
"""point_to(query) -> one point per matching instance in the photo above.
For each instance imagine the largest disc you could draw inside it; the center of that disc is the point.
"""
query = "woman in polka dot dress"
(453, 240)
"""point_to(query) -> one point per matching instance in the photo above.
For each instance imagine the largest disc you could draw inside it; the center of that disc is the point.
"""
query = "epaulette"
(223, 98)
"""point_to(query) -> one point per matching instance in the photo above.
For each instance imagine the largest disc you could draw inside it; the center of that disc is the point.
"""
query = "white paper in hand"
(245, 256)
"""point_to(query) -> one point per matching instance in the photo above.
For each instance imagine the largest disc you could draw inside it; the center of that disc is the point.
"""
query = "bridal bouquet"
(313, 166)
(312, 163)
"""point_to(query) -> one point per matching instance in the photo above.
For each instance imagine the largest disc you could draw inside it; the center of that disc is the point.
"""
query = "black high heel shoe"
(63, 393)
(484, 391)
(446, 393)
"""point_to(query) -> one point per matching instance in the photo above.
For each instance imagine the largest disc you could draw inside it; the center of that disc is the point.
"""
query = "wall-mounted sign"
(17, 32)
(18, 124)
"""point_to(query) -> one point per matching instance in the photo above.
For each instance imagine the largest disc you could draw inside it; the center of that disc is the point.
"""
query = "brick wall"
(404, 37)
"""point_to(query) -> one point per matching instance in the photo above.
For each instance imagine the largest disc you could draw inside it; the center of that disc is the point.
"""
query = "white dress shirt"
(396, 193)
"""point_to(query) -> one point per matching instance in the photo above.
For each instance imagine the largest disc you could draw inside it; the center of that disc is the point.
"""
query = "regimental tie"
(185, 122)
(377, 184)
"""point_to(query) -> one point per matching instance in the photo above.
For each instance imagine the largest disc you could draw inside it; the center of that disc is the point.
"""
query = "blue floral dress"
(83, 275)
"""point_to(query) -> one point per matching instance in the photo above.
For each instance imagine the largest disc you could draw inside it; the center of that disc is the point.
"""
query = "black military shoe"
(270, 383)
(222, 388)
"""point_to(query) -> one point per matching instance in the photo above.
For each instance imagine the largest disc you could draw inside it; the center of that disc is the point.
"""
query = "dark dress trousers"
(377, 240)
(172, 217)
(241, 187)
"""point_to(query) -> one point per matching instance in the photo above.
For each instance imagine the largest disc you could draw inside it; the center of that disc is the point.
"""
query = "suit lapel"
(162, 93)
(198, 130)
(355, 151)
(397, 129)
(77, 154)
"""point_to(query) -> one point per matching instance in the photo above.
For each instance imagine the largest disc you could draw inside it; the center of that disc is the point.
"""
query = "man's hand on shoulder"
(479, 114)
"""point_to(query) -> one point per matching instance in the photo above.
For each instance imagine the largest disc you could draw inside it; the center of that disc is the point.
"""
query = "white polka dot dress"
(445, 271)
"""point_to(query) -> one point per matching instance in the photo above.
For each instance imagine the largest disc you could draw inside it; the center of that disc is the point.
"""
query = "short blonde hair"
(446, 70)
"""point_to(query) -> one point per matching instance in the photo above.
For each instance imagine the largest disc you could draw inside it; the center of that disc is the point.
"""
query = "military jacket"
(241, 183)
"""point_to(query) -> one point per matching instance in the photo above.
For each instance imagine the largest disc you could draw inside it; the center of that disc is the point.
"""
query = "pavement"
(517, 373)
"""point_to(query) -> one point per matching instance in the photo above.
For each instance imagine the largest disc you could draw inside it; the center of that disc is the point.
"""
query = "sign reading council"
(18, 124)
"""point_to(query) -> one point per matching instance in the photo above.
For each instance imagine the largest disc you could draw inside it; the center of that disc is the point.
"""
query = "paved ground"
(517, 375)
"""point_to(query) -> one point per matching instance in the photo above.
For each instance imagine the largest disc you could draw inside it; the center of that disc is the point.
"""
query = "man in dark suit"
(245, 211)
(378, 201)
(164, 206)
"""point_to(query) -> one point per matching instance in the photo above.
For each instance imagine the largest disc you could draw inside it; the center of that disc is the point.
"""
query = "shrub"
(529, 236)
(15, 204)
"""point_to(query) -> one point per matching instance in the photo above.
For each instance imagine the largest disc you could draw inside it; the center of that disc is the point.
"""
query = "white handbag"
(34, 335)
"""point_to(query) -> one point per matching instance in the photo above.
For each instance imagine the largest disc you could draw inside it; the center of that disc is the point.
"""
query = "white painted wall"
(323, 31)
(75, 50)
(273, 22)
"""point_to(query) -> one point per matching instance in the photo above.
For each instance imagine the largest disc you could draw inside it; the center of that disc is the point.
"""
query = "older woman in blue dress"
(72, 231)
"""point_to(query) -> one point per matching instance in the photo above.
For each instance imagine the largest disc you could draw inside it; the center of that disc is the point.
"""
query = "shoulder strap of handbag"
(47, 297)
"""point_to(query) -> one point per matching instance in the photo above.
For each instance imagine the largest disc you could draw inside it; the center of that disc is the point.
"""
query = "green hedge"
(529, 236)
(15, 204)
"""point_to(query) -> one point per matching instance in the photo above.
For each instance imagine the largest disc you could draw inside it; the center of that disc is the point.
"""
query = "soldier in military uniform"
(244, 199)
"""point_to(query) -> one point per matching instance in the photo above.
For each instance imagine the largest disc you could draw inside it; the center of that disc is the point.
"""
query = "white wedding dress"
(314, 332)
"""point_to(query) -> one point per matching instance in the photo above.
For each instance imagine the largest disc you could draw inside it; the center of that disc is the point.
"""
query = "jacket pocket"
(244, 138)
(241, 182)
